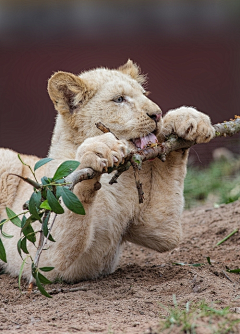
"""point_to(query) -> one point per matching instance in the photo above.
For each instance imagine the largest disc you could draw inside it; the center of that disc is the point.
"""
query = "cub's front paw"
(188, 123)
(101, 152)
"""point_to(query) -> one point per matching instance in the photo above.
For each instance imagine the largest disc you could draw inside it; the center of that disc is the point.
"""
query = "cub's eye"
(119, 99)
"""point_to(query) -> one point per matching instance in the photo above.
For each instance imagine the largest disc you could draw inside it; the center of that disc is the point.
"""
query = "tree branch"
(137, 157)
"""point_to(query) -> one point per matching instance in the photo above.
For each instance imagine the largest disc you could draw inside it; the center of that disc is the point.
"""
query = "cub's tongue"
(144, 141)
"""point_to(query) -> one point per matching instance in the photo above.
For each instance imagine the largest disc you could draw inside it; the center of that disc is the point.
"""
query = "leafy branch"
(45, 200)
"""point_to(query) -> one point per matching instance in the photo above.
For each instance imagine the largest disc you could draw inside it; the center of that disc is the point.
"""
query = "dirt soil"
(129, 300)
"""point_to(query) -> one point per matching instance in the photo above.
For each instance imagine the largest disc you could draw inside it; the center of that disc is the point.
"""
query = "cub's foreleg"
(159, 223)
(99, 153)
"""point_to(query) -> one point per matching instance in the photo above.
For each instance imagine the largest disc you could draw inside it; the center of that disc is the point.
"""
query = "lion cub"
(88, 246)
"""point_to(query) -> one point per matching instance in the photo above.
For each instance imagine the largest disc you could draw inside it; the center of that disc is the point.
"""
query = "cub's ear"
(67, 91)
(134, 71)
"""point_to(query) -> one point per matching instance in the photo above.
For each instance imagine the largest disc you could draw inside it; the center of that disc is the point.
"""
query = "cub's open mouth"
(145, 141)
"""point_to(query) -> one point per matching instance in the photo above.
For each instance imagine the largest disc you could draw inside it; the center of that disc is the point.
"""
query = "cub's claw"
(188, 123)
(101, 152)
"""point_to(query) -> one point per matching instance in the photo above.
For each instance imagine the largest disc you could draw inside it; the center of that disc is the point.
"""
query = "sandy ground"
(129, 301)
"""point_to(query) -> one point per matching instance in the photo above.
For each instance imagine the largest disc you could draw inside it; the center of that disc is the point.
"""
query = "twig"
(104, 129)
(78, 288)
(120, 170)
(26, 179)
(138, 184)
(227, 276)
(38, 253)
(42, 242)
(62, 290)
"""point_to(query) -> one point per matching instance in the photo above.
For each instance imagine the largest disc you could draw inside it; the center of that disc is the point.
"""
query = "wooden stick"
(137, 157)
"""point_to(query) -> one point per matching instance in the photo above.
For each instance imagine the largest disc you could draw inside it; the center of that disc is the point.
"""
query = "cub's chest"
(148, 176)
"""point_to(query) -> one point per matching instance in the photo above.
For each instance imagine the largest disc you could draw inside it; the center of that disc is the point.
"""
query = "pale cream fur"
(89, 246)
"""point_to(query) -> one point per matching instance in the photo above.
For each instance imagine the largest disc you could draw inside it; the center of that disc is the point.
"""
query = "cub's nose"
(155, 117)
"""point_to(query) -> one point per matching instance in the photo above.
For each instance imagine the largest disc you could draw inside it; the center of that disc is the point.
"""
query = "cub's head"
(114, 97)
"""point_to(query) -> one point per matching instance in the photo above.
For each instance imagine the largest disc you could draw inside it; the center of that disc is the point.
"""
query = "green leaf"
(41, 288)
(46, 268)
(20, 272)
(38, 198)
(34, 203)
(227, 237)
(45, 224)
(29, 233)
(44, 190)
(196, 264)
(26, 205)
(24, 245)
(19, 247)
(13, 217)
(208, 260)
(54, 204)
(58, 191)
(45, 205)
(41, 163)
(72, 202)
(45, 228)
(4, 234)
(27, 222)
(45, 180)
(235, 271)
(50, 237)
(23, 222)
(43, 279)
(2, 222)
(7, 236)
(66, 168)
(3, 256)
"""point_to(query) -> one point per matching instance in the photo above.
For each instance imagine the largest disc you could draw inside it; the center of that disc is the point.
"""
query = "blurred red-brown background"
(189, 49)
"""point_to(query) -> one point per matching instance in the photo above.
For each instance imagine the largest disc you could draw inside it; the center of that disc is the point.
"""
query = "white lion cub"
(88, 246)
